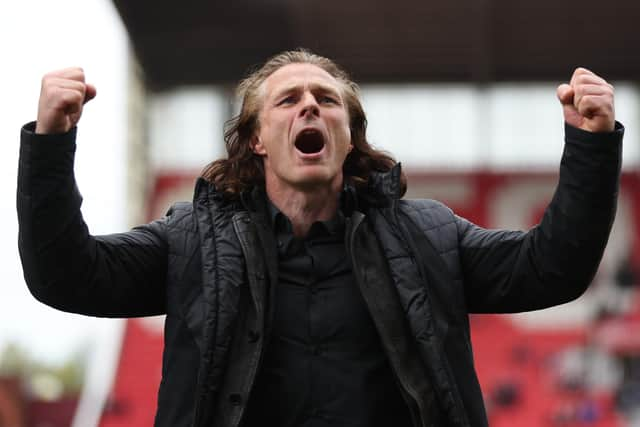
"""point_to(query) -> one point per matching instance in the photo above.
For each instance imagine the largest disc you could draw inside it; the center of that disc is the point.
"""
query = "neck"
(303, 207)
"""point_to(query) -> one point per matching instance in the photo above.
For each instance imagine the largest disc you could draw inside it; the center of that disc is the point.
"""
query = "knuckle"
(584, 78)
(66, 97)
(79, 73)
(73, 96)
(46, 79)
(49, 90)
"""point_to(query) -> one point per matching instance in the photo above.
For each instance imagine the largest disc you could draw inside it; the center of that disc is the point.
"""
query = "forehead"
(299, 75)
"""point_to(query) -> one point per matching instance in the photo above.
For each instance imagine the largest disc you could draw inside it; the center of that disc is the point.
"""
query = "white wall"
(425, 126)
(500, 126)
(37, 36)
(185, 127)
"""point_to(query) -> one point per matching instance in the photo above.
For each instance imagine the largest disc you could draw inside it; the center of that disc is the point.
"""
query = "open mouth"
(310, 141)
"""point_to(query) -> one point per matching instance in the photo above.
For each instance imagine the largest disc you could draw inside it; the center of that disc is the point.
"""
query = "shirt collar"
(281, 223)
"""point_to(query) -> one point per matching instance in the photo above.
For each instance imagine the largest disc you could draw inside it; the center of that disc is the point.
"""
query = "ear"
(257, 146)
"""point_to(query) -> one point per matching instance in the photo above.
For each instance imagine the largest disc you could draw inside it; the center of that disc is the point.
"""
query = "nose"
(309, 105)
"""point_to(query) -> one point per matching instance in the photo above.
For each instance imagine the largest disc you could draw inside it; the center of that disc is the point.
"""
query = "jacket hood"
(386, 184)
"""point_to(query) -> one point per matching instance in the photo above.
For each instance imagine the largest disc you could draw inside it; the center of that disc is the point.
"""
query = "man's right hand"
(62, 96)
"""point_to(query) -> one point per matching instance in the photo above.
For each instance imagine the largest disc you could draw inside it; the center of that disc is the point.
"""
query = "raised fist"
(62, 96)
(587, 102)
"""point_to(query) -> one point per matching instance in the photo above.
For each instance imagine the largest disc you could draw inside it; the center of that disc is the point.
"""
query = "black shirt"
(324, 364)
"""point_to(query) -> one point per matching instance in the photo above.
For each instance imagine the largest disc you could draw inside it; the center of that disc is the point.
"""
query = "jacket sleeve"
(118, 275)
(555, 261)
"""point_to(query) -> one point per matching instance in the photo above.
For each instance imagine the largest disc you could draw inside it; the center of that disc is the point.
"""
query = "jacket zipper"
(407, 391)
(411, 247)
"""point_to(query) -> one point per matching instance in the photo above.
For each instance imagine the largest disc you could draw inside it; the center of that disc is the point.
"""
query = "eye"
(290, 99)
(324, 99)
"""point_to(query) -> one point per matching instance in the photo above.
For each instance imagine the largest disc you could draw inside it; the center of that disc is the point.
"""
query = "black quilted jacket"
(209, 265)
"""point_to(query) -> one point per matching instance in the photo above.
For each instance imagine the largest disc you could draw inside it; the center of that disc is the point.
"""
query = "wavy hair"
(243, 169)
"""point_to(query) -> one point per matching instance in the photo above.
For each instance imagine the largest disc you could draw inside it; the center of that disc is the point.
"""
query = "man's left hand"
(587, 102)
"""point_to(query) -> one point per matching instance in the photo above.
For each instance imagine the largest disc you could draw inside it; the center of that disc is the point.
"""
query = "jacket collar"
(256, 200)
(203, 191)
(386, 184)
(383, 187)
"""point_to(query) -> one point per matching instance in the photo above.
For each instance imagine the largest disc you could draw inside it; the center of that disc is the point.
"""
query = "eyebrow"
(314, 87)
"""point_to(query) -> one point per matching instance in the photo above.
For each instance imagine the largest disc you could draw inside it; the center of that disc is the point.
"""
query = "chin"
(316, 179)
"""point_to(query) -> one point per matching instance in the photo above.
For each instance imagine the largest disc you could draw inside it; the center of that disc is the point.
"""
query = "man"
(299, 288)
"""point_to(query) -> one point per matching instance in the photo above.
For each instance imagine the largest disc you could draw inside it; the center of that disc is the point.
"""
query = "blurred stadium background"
(463, 93)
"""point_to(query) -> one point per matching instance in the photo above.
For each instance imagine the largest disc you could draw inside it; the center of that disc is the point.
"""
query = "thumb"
(90, 93)
(565, 94)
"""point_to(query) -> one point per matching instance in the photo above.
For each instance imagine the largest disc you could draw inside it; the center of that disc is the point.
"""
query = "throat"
(305, 208)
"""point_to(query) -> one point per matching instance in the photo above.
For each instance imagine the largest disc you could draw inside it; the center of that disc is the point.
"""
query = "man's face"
(304, 134)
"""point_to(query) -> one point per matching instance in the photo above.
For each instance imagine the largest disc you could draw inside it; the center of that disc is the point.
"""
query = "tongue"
(310, 142)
